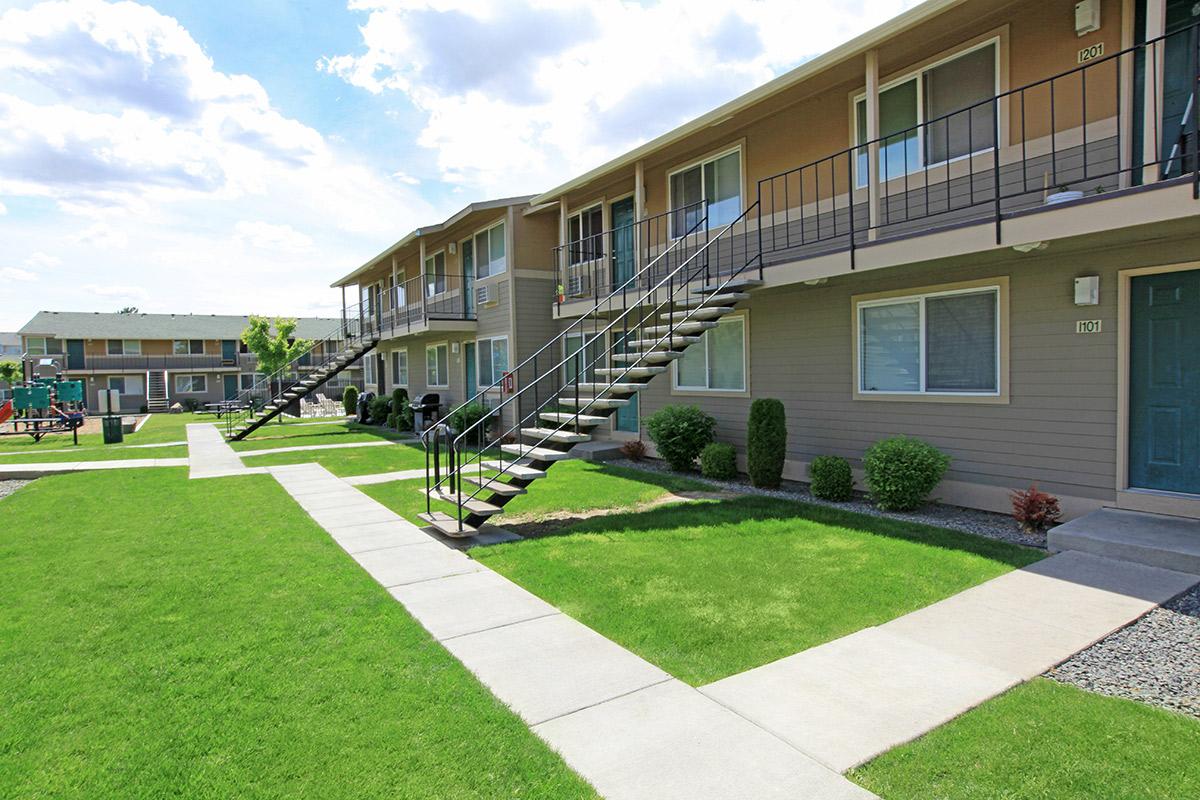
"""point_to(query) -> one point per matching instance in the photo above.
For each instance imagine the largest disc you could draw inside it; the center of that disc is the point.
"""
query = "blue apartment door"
(75, 354)
(1164, 382)
(622, 241)
(229, 348)
(469, 366)
(231, 387)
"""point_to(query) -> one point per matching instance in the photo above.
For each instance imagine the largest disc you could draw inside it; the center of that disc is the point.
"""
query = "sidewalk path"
(626, 726)
(851, 699)
(209, 455)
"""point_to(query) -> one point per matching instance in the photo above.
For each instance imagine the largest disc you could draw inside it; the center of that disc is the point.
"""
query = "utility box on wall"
(1087, 17)
(1087, 290)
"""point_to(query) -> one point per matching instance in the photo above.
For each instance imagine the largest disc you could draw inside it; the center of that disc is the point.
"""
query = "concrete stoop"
(1152, 539)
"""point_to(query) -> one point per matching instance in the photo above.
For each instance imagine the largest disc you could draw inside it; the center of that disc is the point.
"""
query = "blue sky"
(236, 157)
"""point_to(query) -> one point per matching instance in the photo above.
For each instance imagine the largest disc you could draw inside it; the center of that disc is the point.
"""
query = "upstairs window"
(124, 347)
(184, 347)
(585, 234)
(435, 274)
(43, 346)
(489, 251)
(717, 182)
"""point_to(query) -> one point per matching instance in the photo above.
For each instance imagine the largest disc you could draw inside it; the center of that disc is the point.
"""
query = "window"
(435, 274)
(717, 181)
(126, 384)
(584, 363)
(936, 106)
(191, 384)
(718, 361)
(400, 367)
(492, 355)
(437, 365)
(585, 235)
(489, 251)
(183, 347)
(124, 347)
(247, 380)
(368, 363)
(43, 346)
(945, 343)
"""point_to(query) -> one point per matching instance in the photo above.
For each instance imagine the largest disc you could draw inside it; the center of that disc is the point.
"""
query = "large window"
(247, 380)
(931, 116)
(400, 367)
(126, 384)
(585, 234)
(493, 359)
(489, 251)
(580, 360)
(437, 365)
(718, 361)
(183, 347)
(43, 346)
(435, 274)
(717, 181)
(191, 384)
(941, 343)
(124, 347)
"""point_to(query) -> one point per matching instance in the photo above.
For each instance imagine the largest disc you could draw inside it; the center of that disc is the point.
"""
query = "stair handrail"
(579, 410)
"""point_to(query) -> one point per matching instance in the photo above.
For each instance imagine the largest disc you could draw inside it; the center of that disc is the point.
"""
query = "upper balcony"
(434, 301)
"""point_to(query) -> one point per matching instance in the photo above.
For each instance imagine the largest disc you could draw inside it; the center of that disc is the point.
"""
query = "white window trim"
(445, 377)
(395, 380)
(191, 377)
(744, 318)
(479, 364)
(475, 267)
(738, 148)
(587, 208)
(860, 181)
(998, 288)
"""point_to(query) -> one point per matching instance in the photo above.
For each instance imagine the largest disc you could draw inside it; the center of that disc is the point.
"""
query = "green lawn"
(272, 436)
(110, 453)
(711, 588)
(1045, 740)
(348, 461)
(224, 646)
(570, 486)
(158, 429)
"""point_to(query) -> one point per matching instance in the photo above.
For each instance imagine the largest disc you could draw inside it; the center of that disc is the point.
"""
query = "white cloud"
(40, 260)
(565, 88)
(116, 292)
(102, 236)
(404, 177)
(3, 209)
(14, 274)
(272, 237)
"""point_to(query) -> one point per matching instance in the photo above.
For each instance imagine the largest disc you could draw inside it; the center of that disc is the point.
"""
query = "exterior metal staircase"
(321, 360)
(157, 399)
(578, 379)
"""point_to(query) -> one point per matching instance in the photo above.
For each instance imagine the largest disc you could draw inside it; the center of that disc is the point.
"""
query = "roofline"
(471, 208)
(856, 46)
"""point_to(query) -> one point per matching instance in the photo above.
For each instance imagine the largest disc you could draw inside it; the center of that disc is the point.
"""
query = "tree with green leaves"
(129, 310)
(275, 349)
(11, 372)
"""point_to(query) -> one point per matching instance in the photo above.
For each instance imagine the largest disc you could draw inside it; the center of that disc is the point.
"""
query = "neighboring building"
(156, 360)
(10, 350)
(458, 302)
(1047, 332)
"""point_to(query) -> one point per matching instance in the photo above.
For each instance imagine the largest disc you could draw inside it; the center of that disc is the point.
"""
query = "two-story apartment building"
(457, 302)
(976, 224)
(10, 350)
(156, 360)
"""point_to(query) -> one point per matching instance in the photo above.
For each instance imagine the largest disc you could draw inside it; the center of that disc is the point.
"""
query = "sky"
(237, 156)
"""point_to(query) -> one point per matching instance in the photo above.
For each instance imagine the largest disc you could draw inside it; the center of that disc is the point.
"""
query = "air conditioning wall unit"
(485, 294)
(579, 285)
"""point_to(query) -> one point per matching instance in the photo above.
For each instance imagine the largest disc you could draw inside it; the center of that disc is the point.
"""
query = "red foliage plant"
(634, 449)
(1034, 509)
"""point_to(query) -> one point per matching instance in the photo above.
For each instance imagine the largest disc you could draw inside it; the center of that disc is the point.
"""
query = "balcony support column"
(562, 249)
(872, 134)
(1156, 26)
(639, 212)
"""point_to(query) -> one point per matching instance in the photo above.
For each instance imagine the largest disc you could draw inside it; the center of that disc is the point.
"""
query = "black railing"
(176, 363)
(646, 300)
(1061, 138)
(414, 302)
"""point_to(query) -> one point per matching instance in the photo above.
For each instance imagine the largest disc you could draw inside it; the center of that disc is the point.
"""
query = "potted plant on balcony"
(1063, 194)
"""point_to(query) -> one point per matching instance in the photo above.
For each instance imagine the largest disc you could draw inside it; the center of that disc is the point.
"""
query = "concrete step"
(535, 453)
(592, 404)
(515, 470)
(631, 373)
(593, 389)
(722, 299)
(672, 343)
(494, 485)
(654, 357)
(448, 525)
(559, 418)
(472, 505)
(1152, 539)
(735, 285)
(688, 328)
(706, 313)
(565, 436)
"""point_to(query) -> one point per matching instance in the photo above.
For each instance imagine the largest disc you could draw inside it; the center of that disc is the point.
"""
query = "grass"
(570, 486)
(110, 453)
(272, 436)
(711, 588)
(1046, 740)
(349, 461)
(224, 646)
(158, 429)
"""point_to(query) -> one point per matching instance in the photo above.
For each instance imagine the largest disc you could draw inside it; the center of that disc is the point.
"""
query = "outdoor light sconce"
(1087, 290)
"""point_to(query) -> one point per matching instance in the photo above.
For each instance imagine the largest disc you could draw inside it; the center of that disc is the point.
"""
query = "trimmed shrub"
(190, 404)
(901, 472)
(404, 419)
(392, 420)
(718, 461)
(634, 449)
(350, 401)
(399, 400)
(1034, 509)
(378, 410)
(766, 443)
(465, 416)
(831, 478)
(680, 433)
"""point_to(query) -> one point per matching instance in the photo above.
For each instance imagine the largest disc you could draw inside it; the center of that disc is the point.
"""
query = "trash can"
(364, 405)
(113, 432)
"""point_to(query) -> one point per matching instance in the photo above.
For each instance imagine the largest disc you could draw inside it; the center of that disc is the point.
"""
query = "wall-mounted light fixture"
(1087, 290)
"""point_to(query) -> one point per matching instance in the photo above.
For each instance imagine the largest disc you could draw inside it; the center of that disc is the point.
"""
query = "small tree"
(11, 372)
(350, 400)
(274, 350)
(766, 443)
(129, 310)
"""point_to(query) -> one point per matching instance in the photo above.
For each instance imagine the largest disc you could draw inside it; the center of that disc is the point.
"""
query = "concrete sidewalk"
(209, 455)
(626, 726)
(851, 699)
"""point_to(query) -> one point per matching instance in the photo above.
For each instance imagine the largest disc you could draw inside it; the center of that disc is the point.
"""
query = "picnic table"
(222, 407)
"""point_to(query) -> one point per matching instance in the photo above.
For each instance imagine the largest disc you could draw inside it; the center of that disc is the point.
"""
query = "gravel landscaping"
(8, 487)
(1155, 660)
(967, 520)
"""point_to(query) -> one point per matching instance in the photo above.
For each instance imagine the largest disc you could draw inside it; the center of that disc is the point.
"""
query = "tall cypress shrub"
(766, 443)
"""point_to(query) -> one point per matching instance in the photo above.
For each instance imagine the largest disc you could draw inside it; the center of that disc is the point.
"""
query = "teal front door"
(75, 358)
(469, 366)
(622, 242)
(626, 418)
(1164, 382)
(229, 348)
(231, 387)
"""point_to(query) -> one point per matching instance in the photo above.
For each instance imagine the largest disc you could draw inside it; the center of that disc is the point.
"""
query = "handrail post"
(996, 159)
(850, 195)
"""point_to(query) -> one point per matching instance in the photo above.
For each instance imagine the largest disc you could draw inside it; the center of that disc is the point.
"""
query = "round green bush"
(901, 472)
(350, 400)
(766, 443)
(680, 433)
(378, 410)
(718, 461)
(465, 416)
(831, 478)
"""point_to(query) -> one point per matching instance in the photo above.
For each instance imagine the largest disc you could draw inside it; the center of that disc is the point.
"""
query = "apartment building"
(456, 303)
(10, 350)
(157, 360)
(976, 224)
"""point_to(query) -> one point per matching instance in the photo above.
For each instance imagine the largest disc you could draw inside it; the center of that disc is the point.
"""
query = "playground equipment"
(44, 405)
